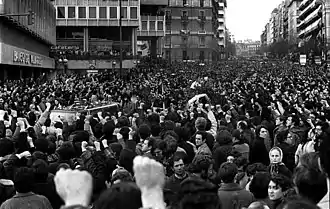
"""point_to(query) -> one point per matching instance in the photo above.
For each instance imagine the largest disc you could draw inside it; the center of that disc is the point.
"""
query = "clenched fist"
(148, 173)
(74, 186)
(150, 178)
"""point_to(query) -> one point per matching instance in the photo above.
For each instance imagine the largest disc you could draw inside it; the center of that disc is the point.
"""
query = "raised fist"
(149, 174)
(83, 146)
(97, 145)
(48, 105)
(74, 186)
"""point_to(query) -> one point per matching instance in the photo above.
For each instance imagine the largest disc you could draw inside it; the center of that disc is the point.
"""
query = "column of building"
(86, 39)
(134, 41)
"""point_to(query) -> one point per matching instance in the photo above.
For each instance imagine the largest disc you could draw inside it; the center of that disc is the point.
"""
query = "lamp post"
(324, 20)
(63, 63)
(120, 40)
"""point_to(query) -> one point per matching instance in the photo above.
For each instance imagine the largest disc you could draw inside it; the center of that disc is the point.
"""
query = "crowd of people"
(238, 134)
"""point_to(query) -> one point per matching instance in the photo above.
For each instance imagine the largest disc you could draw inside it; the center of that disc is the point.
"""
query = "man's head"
(227, 172)
(24, 180)
(178, 164)
(310, 183)
(200, 124)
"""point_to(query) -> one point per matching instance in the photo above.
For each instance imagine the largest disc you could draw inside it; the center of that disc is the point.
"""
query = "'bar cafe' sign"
(26, 58)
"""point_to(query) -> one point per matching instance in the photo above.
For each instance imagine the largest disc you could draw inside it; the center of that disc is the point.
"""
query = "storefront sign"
(26, 58)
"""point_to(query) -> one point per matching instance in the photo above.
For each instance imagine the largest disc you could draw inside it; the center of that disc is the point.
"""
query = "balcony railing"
(154, 2)
(152, 26)
(202, 18)
(184, 18)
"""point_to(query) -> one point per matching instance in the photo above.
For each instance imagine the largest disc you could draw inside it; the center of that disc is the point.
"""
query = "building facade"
(24, 47)
(311, 19)
(220, 30)
(293, 21)
(247, 48)
(189, 30)
(88, 33)
(151, 30)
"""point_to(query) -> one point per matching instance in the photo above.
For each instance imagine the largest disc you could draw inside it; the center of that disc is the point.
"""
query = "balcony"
(184, 18)
(185, 32)
(202, 18)
(168, 19)
(152, 26)
(221, 12)
(221, 20)
(154, 2)
(96, 2)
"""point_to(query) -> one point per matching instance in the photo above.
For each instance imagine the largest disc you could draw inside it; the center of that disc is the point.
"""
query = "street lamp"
(324, 20)
(63, 63)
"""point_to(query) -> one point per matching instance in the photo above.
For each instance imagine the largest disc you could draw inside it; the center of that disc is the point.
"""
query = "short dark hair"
(227, 172)
(196, 193)
(176, 157)
(259, 185)
(311, 183)
(281, 181)
(298, 204)
(116, 197)
(24, 180)
(40, 168)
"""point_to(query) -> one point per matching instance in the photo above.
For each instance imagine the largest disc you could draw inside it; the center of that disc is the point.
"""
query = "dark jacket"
(232, 196)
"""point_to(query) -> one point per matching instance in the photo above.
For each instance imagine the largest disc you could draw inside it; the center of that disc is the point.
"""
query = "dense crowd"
(238, 134)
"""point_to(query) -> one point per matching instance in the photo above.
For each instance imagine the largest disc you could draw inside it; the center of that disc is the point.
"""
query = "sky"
(246, 19)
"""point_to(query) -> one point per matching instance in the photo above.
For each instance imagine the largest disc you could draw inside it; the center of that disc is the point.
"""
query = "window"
(167, 40)
(202, 26)
(168, 13)
(185, 13)
(184, 2)
(144, 25)
(184, 54)
(71, 12)
(81, 12)
(201, 55)
(160, 25)
(168, 28)
(201, 3)
(60, 12)
(184, 26)
(113, 13)
(184, 40)
(124, 12)
(168, 54)
(202, 41)
(152, 25)
(92, 12)
(103, 12)
(133, 12)
(202, 13)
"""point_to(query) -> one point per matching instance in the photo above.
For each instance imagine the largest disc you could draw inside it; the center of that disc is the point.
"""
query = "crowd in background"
(238, 134)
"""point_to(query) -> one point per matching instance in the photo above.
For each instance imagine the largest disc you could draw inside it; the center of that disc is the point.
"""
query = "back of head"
(116, 197)
(227, 172)
(24, 180)
(259, 185)
(144, 131)
(200, 124)
(300, 204)
(258, 205)
(310, 183)
(324, 152)
(40, 168)
(196, 193)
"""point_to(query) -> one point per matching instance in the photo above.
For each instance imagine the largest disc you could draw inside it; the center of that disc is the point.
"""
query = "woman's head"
(262, 132)
(277, 187)
(275, 155)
